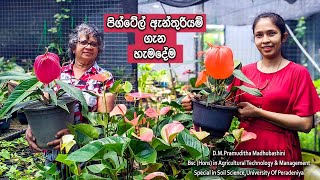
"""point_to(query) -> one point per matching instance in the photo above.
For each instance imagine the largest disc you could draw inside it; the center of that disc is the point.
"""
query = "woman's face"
(86, 50)
(267, 38)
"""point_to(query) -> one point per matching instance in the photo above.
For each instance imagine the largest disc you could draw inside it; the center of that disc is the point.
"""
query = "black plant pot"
(22, 117)
(5, 124)
(46, 121)
(214, 119)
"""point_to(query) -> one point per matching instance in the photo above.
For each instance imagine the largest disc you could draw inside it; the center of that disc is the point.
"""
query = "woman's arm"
(289, 121)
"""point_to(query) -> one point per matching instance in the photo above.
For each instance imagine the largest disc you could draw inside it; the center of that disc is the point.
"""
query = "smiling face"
(86, 50)
(268, 38)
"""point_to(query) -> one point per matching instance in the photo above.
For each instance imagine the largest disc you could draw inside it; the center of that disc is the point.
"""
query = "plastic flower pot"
(5, 123)
(22, 117)
(215, 119)
(46, 121)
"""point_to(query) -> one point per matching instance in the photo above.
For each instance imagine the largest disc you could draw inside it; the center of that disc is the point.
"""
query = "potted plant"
(43, 103)
(213, 106)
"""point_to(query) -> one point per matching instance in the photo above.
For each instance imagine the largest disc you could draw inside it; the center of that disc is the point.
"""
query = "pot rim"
(232, 108)
(37, 105)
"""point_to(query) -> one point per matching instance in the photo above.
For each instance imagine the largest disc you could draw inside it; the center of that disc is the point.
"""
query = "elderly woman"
(85, 46)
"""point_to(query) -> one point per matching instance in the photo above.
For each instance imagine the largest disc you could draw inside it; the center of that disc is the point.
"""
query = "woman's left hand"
(247, 110)
(56, 143)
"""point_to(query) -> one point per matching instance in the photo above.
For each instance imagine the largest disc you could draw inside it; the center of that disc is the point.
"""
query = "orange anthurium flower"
(219, 62)
(129, 98)
(119, 109)
(242, 135)
(101, 77)
(152, 113)
(145, 134)
(134, 121)
(170, 131)
(202, 78)
(156, 175)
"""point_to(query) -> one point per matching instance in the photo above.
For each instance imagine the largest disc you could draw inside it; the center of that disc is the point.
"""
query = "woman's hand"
(247, 110)
(32, 140)
(186, 102)
(56, 143)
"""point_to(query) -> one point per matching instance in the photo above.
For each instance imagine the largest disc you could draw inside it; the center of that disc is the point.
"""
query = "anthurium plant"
(45, 87)
(219, 69)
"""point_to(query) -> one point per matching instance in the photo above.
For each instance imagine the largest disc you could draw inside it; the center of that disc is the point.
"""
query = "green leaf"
(14, 75)
(127, 87)
(63, 159)
(192, 145)
(53, 95)
(117, 144)
(117, 162)
(86, 152)
(239, 74)
(96, 168)
(87, 176)
(182, 117)
(116, 87)
(252, 91)
(63, 105)
(5, 154)
(74, 92)
(87, 130)
(143, 152)
(23, 90)
(159, 144)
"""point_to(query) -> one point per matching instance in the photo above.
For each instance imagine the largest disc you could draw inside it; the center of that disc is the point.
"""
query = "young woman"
(288, 104)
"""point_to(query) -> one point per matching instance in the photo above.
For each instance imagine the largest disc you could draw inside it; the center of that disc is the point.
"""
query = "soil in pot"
(46, 121)
(215, 119)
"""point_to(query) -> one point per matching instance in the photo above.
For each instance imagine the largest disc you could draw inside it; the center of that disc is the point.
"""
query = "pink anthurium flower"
(134, 121)
(129, 98)
(140, 95)
(145, 134)
(242, 135)
(156, 175)
(101, 77)
(119, 109)
(47, 67)
(170, 131)
(152, 113)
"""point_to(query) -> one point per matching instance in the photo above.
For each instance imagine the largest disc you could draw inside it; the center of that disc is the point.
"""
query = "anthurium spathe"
(67, 142)
(199, 134)
(47, 67)
(134, 121)
(202, 78)
(101, 77)
(119, 109)
(242, 135)
(156, 175)
(170, 131)
(145, 134)
(152, 113)
(140, 95)
(219, 61)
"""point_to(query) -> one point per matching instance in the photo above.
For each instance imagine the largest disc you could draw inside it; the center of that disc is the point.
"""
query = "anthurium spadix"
(170, 131)
(47, 67)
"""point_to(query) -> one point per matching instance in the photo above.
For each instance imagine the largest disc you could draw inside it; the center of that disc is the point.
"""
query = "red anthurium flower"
(145, 134)
(101, 77)
(47, 67)
(156, 175)
(170, 131)
(134, 121)
(152, 113)
(139, 95)
(242, 135)
(202, 78)
(119, 109)
(219, 62)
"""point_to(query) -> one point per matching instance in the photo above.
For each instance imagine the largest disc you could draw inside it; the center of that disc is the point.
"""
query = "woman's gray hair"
(85, 29)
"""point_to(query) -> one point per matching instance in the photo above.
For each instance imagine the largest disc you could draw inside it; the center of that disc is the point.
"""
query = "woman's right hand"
(32, 140)
(186, 102)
